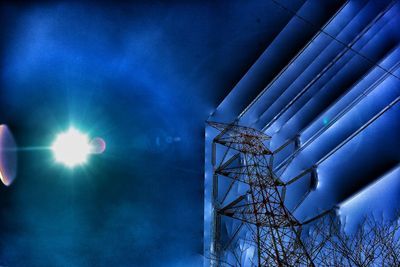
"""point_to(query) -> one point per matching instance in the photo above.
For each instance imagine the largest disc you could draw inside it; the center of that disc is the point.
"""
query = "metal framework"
(275, 232)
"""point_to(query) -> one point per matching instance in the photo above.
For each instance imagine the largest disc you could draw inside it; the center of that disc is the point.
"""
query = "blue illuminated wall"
(328, 86)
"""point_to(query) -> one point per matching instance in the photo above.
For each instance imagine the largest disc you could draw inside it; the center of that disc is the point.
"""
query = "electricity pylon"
(276, 233)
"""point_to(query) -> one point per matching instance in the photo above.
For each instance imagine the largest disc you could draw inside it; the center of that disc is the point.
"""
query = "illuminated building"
(326, 99)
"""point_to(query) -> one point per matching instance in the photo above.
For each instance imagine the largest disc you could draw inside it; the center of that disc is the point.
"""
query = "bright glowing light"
(71, 148)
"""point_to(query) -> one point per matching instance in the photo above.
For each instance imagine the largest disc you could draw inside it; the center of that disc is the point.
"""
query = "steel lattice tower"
(276, 233)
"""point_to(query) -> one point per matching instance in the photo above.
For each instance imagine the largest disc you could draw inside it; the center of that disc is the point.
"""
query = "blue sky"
(143, 76)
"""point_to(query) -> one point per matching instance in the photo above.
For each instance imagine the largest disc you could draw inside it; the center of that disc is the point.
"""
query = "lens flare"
(71, 148)
(8, 156)
(97, 145)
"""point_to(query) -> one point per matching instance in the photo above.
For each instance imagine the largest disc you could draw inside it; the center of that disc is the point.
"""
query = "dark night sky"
(143, 76)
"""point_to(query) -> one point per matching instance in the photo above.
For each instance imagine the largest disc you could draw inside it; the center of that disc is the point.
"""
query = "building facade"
(314, 124)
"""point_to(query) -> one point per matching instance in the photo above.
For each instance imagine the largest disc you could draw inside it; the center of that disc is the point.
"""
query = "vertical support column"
(216, 218)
